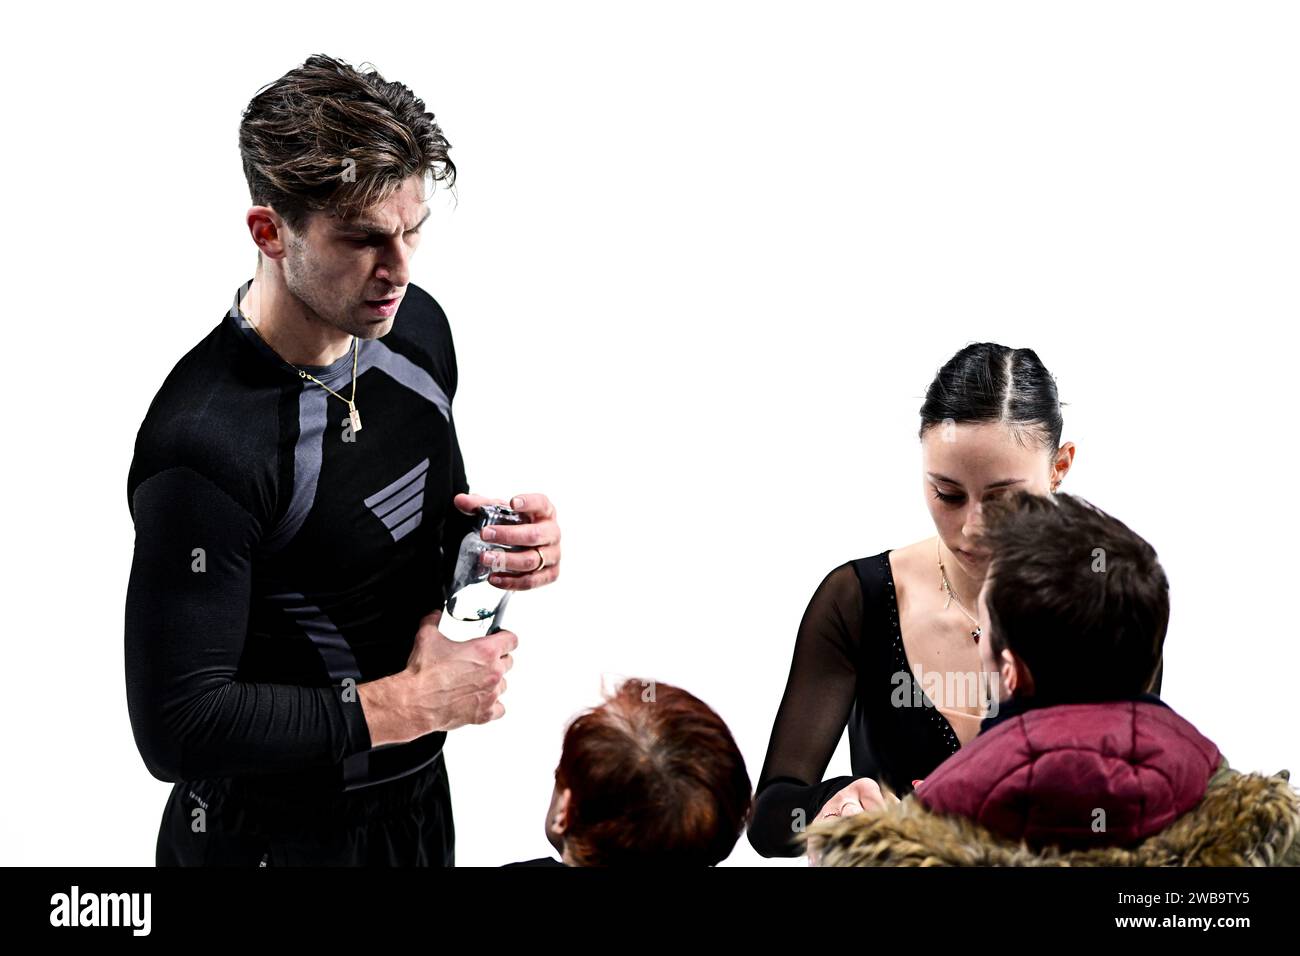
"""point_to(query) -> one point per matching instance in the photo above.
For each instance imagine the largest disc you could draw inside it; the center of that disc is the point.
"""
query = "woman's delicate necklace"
(354, 416)
(952, 595)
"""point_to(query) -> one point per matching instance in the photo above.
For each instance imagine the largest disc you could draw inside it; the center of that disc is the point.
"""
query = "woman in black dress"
(888, 643)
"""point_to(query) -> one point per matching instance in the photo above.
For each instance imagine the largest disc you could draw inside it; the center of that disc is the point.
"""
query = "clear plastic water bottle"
(475, 605)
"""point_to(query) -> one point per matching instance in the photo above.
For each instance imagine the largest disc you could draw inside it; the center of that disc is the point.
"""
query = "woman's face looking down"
(965, 465)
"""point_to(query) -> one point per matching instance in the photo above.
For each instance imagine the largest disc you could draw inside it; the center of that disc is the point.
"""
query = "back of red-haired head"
(655, 778)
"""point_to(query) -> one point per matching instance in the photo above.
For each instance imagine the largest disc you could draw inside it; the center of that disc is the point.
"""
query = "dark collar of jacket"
(1019, 705)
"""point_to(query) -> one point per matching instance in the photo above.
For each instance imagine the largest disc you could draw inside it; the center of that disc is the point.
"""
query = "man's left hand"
(518, 570)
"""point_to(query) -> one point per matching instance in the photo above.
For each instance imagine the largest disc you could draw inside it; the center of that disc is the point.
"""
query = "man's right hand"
(446, 684)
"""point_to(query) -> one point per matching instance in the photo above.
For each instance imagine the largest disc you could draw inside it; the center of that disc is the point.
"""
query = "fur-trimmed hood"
(1243, 820)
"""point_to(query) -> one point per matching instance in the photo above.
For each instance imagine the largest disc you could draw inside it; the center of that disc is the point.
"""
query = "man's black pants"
(402, 822)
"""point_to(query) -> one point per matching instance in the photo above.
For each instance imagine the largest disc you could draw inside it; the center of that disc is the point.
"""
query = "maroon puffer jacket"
(1077, 775)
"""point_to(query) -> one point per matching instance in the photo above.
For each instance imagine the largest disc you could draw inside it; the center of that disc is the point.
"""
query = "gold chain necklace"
(354, 416)
(952, 595)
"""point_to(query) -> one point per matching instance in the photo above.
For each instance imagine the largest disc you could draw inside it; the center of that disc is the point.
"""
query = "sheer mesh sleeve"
(811, 718)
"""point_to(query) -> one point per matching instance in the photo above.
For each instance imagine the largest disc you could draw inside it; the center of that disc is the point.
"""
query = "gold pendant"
(355, 416)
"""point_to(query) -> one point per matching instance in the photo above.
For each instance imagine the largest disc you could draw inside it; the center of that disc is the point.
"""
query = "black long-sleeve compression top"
(282, 558)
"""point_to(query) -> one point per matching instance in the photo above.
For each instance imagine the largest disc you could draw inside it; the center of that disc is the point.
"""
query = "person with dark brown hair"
(651, 777)
(299, 497)
(888, 645)
(1081, 765)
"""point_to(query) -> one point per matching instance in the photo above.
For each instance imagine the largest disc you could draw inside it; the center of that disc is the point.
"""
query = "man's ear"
(269, 231)
(1015, 675)
(559, 821)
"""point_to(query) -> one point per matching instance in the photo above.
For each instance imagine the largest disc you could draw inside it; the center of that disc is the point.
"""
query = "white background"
(704, 261)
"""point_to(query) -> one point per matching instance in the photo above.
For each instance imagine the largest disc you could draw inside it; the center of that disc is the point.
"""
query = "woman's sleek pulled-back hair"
(986, 382)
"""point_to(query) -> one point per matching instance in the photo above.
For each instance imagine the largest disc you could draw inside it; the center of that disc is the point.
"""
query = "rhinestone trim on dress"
(900, 658)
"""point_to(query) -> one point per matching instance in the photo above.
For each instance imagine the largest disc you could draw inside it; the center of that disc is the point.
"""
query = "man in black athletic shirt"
(299, 497)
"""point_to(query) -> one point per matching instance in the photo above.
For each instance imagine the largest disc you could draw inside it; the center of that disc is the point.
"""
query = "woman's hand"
(862, 794)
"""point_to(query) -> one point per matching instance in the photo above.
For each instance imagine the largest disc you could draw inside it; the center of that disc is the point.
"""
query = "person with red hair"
(651, 777)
